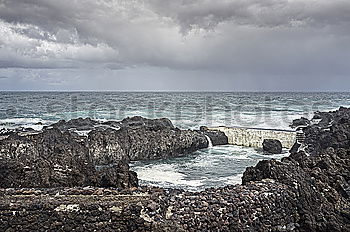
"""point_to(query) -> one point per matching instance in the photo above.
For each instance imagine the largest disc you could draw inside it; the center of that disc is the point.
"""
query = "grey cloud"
(240, 37)
(268, 13)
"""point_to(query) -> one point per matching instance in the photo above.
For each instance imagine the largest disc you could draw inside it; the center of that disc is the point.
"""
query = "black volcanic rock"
(149, 124)
(216, 137)
(53, 159)
(143, 139)
(320, 174)
(272, 146)
(307, 191)
(59, 156)
(79, 124)
(117, 175)
(300, 122)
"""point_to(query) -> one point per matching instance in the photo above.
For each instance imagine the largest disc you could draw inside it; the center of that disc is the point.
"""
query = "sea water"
(211, 167)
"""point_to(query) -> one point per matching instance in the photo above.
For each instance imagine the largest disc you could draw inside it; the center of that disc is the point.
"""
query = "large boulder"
(216, 137)
(272, 146)
(302, 122)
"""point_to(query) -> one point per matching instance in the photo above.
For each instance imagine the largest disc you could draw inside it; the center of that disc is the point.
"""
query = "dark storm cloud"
(254, 38)
(267, 13)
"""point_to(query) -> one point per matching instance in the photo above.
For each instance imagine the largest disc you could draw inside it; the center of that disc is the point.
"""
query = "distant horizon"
(164, 91)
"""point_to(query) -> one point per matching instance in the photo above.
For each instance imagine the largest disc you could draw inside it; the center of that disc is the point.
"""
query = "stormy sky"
(177, 45)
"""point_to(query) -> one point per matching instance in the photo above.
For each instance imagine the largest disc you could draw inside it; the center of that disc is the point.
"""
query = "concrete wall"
(253, 137)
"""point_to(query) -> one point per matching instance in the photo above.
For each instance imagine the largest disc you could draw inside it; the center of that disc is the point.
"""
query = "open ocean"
(211, 167)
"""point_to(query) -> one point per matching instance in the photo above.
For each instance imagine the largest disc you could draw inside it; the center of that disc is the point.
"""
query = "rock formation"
(84, 152)
(302, 122)
(307, 191)
(53, 158)
(216, 137)
(320, 174)
(272, 146)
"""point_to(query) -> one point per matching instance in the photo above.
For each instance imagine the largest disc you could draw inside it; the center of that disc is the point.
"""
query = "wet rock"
(272, 146)
(149, 124)
(216, 137)
(302, 122)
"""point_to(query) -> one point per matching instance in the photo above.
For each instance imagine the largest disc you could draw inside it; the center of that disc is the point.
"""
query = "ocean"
(211, 167)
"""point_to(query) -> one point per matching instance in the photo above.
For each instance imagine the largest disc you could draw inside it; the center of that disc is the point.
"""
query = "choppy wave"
(211, 167)
(165, 175)
(34, 123)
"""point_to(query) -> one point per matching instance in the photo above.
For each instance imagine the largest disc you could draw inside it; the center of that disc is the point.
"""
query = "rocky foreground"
(307, 191)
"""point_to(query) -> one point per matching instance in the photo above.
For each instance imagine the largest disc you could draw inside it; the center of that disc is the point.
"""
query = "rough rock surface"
(301, 122)
(143, 139)
(53, 159)
(320, 173)
(261, 206)
(272, 146)
(307, 191)
(216, 137)
(84, 152)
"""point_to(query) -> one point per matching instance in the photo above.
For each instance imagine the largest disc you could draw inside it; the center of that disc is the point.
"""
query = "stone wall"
(252, 137)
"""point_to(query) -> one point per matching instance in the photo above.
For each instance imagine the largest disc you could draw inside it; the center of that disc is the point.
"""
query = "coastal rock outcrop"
(83, 152)
(52, 158)
(143, 139)
(216, 137)
(272, 146)
(301, 122)
(320, 173)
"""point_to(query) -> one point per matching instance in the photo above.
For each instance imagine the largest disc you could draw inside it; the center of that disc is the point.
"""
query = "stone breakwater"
(254, 137)
(307, 191)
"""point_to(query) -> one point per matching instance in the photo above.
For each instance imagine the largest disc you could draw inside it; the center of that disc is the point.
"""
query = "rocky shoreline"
(307, 191)
(84, 152)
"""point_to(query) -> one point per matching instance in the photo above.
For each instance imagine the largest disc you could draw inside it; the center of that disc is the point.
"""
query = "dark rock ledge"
(84, 152)
(307, 191)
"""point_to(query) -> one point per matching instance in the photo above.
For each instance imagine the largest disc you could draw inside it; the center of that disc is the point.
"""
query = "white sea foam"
(210, 144)
(164, 174)
(235, 179)
(24, 122)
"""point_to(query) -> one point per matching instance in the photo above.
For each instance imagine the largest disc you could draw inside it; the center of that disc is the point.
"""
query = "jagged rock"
(59, 156)
(272, 146)
(79, 124)
(320, 175)
(143, 139)
(300, 122)
(117, 175)
(52, 159)
(149, 124)
(216, 137)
